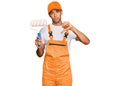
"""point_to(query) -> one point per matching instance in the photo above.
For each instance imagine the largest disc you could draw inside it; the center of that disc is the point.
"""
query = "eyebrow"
(55, 10)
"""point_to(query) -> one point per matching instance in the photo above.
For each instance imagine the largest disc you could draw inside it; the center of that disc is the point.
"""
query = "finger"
(65, 25)
(37, 43)
(63, 31)
(38, 40)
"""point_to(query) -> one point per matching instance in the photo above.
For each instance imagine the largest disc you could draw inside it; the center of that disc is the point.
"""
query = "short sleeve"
(44, 35)
(71, 35)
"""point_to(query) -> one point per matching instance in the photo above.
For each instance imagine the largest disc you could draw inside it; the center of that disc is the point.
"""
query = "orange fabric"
(57, 83)
(49, 31)
(56, 67)
(54, 5)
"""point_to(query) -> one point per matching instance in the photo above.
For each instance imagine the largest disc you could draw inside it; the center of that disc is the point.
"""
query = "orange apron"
(56, 67)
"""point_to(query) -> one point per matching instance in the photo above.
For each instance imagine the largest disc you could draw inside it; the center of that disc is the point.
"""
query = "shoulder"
(44, 29)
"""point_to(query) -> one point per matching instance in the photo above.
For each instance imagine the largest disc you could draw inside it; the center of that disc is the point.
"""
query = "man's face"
(55, 15)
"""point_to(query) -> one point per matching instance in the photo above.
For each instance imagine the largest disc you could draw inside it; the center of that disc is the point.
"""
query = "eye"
(51, 13)
(57, 11)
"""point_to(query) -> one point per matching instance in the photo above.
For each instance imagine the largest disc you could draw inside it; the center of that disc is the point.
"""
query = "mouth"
(55, 18)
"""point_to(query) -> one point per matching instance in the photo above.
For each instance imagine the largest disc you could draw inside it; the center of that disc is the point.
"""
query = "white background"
(96, 64)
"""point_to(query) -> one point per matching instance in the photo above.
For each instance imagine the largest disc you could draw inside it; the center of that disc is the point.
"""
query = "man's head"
(55, 11)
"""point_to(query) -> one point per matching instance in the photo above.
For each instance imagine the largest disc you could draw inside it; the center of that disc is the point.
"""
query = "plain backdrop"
(96, 64)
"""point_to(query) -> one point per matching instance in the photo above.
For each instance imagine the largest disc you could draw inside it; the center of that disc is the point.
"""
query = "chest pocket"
(57, 49)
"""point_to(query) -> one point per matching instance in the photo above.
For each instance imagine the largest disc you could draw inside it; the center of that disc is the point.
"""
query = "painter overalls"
(56, 67)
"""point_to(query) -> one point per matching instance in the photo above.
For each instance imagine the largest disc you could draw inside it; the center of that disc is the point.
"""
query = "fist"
(67, 26)
(38, 41)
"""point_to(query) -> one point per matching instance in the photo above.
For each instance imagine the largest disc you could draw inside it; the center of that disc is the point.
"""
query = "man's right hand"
(38, 41)
(39, 51)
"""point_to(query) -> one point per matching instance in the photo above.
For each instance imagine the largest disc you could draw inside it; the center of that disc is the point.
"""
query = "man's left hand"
(67, 26)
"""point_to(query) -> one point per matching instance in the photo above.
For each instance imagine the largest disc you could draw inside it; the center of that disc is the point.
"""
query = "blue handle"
(39, 35)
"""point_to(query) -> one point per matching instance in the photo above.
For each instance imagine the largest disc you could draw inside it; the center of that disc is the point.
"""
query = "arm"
(39, 51)
(80, 36)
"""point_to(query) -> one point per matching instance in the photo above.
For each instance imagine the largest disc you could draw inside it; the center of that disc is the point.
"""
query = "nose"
(55, 14)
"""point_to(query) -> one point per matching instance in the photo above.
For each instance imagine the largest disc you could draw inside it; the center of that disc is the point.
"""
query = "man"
(55, 42)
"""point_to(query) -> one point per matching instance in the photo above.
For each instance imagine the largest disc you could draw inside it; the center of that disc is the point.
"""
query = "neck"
(57, 23)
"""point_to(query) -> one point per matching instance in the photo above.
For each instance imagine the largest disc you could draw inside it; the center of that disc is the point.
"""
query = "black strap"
(50, 33)
(66, 34)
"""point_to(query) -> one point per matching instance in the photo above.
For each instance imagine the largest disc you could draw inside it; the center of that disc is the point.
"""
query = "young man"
(56, 40)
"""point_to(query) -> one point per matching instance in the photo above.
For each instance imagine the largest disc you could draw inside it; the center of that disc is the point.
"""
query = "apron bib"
(56, 65)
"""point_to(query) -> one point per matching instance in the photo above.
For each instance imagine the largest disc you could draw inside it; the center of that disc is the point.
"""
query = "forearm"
(40, 51)
(80, 36)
